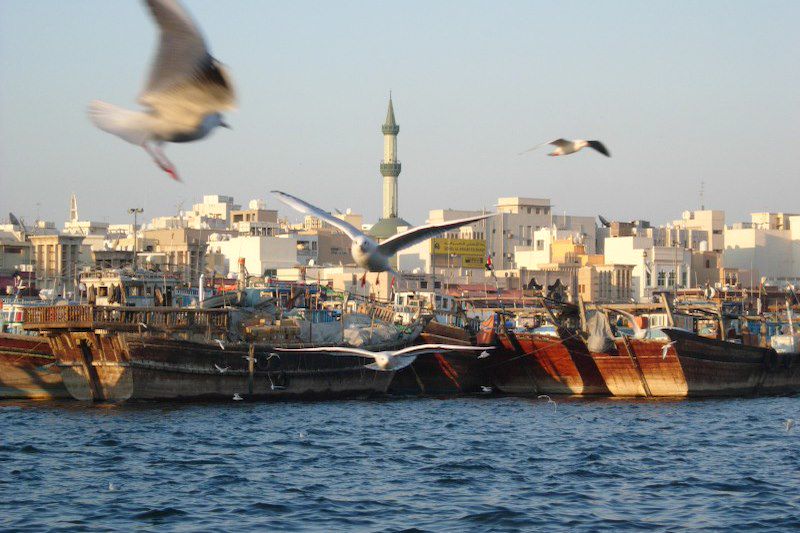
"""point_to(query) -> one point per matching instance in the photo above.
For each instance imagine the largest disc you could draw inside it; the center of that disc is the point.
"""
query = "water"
(475, 464)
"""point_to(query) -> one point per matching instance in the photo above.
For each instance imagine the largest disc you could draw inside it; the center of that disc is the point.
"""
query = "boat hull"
(713, 367)
(529, 363)
(27, 369)
(449, 373)
(126, 366)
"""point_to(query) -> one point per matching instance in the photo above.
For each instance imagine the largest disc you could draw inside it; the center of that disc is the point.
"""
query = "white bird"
(111, 487)
(220, 369)
(638, 333)
(221, 344)
(789, 424)
(237, 397)
(566, 147)
(388, 360)
(272, 385)
(549, 400)
(185, 95)
(484, 355)
(142, 325)
(665, 349)
(486, 390)
(368, 254)
(270, 356)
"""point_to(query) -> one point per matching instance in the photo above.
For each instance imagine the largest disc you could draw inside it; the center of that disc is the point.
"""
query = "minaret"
(73, 208)
(390, 166)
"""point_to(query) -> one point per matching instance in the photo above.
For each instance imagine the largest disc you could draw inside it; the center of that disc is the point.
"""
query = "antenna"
(702, 194)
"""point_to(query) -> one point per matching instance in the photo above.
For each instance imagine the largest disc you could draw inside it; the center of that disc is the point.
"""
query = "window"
(660, 280)
(671, 279)
(540, 244)
(537, 211)
(423, 284)
(708, 263)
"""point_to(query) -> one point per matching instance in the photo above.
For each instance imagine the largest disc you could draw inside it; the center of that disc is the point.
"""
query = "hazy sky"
(680, 92)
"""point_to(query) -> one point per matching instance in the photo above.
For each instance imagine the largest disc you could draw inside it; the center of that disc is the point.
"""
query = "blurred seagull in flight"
(388, 361)
(220, 369)
(367, 253)
(566, 147)
(665, 349)
(221, 344)
(185, 95)
(237, 397)
(549, 400)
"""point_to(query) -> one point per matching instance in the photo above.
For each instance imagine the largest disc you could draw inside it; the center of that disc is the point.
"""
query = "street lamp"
(135, 211)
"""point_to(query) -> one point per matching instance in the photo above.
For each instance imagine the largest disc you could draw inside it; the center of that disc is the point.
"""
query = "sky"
(681, 92)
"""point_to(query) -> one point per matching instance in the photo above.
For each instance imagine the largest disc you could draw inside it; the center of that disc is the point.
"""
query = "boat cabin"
(127, 288)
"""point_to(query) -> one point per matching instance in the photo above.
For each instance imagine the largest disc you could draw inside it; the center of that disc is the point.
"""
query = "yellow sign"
(472, 261)
(465, 248)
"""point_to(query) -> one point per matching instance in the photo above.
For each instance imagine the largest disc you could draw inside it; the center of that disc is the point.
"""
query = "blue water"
(476, 464)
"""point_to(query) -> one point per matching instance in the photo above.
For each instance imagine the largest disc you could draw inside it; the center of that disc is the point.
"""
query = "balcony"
(390, 169)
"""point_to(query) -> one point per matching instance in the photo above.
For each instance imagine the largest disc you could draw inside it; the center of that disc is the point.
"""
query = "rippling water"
(488, 464)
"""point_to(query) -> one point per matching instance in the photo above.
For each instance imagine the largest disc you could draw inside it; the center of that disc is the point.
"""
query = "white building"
(655, 268)
(769, 245)
(518, 219)
(262, 254)
(710, 221)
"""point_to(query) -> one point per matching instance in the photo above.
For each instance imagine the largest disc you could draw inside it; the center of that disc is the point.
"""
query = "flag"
(377, 279)
(489, 263)
(364, 280)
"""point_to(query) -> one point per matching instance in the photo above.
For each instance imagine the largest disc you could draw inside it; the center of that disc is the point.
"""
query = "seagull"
(221, 344)
(270, 356)
(220, 369)
(388, 360)
(789, 424)
(237, 397)
(638, 333)
(665, 349)
(549, 400)
(142, 325)
(486, 390)
(111, 487)
(368, 254)
(484, 354)
(272, 385)
(184, 97)
(567, 147)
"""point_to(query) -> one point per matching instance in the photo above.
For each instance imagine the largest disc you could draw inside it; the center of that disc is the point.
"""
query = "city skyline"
(675, 111)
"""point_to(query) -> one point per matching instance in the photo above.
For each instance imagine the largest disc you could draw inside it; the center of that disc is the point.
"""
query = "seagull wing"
(304, 207)
(433, 348)
(133, 126)
(185, 82)
(600, 147)
(333, 350)
(557, 142)
(562, 143)
(416, 235)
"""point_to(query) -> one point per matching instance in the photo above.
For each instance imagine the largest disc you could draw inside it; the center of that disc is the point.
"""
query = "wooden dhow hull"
(442, 374)
(129, 366)
(714, 367)
(28, 370)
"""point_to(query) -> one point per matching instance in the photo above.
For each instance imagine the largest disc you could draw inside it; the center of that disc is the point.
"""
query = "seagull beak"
(225, 125)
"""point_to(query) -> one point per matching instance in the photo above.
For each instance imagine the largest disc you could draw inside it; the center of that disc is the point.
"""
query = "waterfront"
(461, 464)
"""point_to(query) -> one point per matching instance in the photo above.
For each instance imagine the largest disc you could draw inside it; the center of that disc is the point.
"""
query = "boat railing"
(123, 318)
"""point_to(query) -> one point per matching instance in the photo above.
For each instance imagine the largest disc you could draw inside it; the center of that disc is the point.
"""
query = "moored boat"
(28, 369)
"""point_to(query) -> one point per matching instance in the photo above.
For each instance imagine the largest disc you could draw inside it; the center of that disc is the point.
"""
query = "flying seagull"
(221, 344)
(566, 147)
(665, 349)
(549, 400)
(368, 254)
(184, 97)
(389, 360)
(220, 369)
(237, 397)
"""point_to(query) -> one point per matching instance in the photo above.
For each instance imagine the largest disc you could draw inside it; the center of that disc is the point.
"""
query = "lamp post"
(135, 211)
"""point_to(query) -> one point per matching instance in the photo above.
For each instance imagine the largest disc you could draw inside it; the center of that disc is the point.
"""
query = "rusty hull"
(128, 366)
(28, 370)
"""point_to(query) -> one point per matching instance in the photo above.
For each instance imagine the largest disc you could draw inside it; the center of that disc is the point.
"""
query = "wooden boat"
(118, 353)
(445, 374)
(713, 367)
(28, 370)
